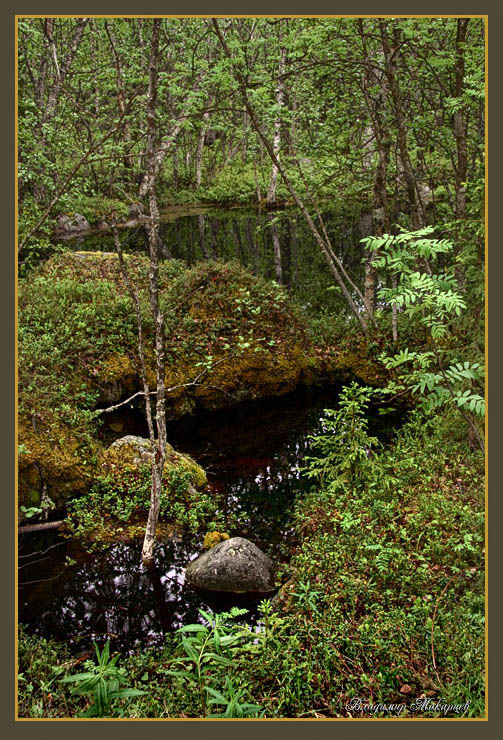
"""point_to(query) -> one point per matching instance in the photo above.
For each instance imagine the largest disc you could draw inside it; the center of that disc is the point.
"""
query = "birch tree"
(154, 256)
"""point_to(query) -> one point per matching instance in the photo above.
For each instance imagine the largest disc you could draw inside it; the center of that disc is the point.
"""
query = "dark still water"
(252, 454)
(198, 233)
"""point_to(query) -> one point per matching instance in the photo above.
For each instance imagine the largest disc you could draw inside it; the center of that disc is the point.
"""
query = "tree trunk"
(459, 127)
(278, 269)
(26, 528)
(121, 92)
(257, 182)
(199, 151)
(133, 293)
(244, 140)
(175, 170)
(48, 108)
(252, 246)
(459, 123)
(154, 250)
(276, 142)
(62, 68)
(158, 158)
(294, 254)
(376, 105)
(391, 50)
(240, 251)
(202, 243)
(214, 234)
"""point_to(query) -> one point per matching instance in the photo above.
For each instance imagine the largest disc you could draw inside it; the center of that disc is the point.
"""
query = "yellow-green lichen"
(214, 538)
(120, 368)
(54, 457)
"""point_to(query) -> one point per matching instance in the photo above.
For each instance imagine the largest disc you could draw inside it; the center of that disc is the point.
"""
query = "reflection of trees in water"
(242, 233)
(254, 451)
(111, 594)
(284, 251)
(259, 504)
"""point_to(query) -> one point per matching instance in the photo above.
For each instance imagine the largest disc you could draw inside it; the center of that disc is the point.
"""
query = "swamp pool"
(253, 454)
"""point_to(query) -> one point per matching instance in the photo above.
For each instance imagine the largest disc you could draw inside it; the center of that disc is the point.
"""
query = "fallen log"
(39, 527)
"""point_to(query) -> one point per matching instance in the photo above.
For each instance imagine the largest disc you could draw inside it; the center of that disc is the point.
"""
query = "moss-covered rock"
(116, 504)
(128, 454)
(230, 336)
(117, 377)
(56, 458)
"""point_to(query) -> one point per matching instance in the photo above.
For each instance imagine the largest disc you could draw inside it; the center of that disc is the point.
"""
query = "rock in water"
(71, 224)
(235, 565)
(135, 210)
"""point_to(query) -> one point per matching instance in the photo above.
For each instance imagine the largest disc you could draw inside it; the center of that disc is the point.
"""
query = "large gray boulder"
(235, 565)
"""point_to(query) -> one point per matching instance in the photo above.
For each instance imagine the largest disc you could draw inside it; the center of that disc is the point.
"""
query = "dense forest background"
(386, 115)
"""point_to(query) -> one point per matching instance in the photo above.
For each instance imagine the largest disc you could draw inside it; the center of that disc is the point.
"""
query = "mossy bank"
(229, 336)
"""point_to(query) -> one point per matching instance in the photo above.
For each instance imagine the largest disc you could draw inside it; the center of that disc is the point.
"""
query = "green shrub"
(97, 208)
(125, 499)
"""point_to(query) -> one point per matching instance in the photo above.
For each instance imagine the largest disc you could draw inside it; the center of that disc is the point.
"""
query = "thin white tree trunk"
(278, 268)
(159, 448)
(200, 149)
(276, 142)
(139, 324)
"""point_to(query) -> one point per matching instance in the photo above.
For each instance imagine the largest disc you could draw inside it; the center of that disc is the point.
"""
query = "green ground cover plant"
(383, 599)
(381, 594)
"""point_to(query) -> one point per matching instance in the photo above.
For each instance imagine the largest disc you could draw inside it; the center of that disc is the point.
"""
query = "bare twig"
(43, 552)
(123, 403)
(190, 384)
(32, 562)
(43, 580)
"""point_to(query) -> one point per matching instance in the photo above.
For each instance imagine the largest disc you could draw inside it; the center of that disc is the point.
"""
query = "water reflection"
(108, 594)
(253, 454)
(275, 245)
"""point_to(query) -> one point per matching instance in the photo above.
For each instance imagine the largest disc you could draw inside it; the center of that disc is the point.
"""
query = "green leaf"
(193, 628)
(126, 693)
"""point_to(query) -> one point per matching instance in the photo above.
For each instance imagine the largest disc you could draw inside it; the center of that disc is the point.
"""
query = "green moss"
(214, 538)
(55, 457)
(230, 336)
(116, 504)
(126, 455)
